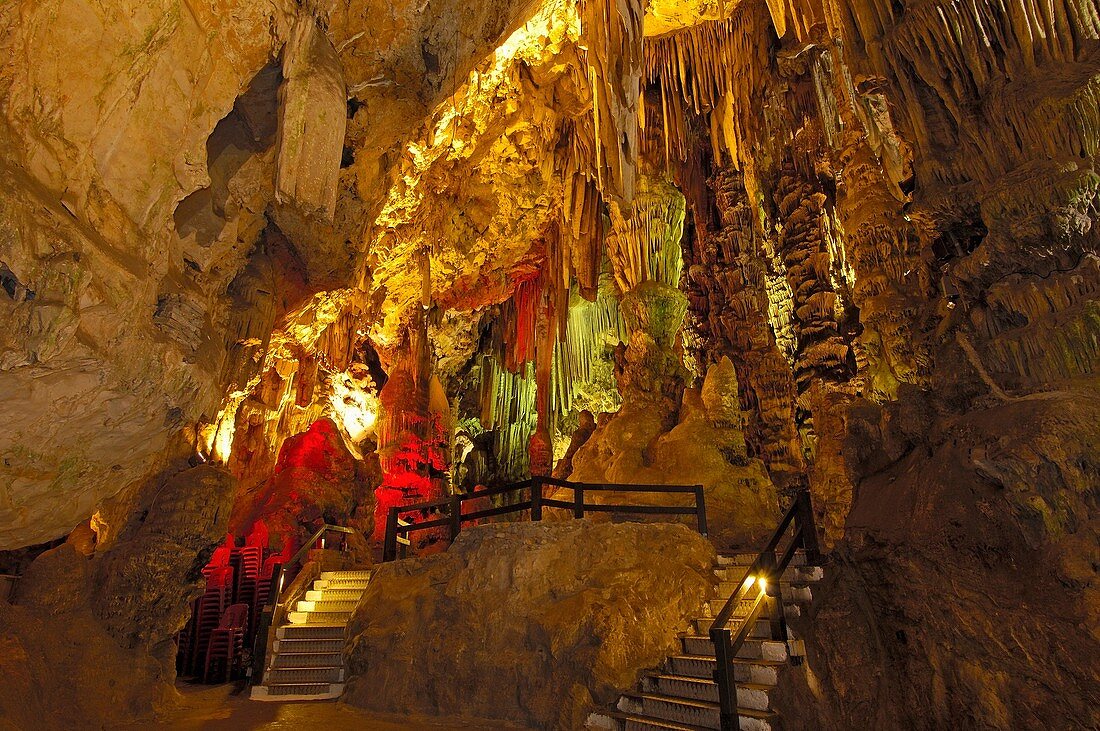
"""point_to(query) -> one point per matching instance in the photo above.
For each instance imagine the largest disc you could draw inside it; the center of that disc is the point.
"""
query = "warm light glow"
(467, 125)
(354, 404)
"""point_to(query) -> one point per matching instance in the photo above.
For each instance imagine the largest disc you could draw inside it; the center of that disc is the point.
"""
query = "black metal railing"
(452, 517)
(281, 577)
(765, 575)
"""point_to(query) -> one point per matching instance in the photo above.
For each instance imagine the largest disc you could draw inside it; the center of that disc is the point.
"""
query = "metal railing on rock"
(533, 498)
(767, 572)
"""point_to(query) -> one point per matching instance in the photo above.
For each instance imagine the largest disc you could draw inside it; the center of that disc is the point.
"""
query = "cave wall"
(139, 182)
(921, 178)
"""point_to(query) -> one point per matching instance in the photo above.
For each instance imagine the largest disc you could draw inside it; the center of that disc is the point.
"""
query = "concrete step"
(620, 721)
(328, 618)
(325, 605)
(297, 692)
(301, 646)
(791, 595)
(761, 628)
(334, 595)
(752, 648)
(700, 714)
(747, 559)
(668, 708)
(291, 659)
(303, 676)
(345, 575)
(322, 584)
(313, 631)
(793, 574)
(745, 670)
(749, 695)
(725, 589)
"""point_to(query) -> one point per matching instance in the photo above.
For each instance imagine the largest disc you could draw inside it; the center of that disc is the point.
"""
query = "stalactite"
(712, 69)
(644, 242)
(612, 34)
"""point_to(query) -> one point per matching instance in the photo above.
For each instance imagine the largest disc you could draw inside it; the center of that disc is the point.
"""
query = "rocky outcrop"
(88, 642)
(316, 480)
(145, 582)
(536, 623)
(965, 595)
(703, 445)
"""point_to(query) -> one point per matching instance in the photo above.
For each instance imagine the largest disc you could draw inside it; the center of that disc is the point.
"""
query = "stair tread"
(272, 685)
(315, 625)
(627, 716)
(707, 705)
(704, 681)
(747, 639)
(736, 660)
(671, 699)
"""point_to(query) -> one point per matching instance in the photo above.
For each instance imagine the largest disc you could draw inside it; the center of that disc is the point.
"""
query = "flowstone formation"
(536, 623)
(700, 443)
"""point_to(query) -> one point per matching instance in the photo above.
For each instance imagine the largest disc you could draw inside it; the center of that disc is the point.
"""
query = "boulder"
(144, 584)
(535, 623)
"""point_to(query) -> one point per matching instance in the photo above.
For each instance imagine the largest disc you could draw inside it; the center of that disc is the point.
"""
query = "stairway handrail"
(768, 568)
(278, 583)
(396, 528)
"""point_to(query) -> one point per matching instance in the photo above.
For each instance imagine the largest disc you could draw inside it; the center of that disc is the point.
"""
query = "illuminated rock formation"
(560, 615)
(761, 245)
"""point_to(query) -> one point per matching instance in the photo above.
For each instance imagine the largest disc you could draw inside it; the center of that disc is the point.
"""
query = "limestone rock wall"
(138, 182)
(965, 595)
(536, 623)
(88, 642)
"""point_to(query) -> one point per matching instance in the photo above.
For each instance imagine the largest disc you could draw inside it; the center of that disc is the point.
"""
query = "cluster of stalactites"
(644, 242)
(612, 33)
(508, 381)
(702, 71)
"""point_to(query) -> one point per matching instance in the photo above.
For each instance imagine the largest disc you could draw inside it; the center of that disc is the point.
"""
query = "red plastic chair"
(208, 610)
(259, 536)
(226, 643)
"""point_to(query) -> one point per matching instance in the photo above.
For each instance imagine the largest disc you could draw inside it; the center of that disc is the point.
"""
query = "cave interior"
(560, 364)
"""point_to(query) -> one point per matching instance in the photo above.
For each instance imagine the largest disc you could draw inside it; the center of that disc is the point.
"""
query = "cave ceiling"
(215, 206)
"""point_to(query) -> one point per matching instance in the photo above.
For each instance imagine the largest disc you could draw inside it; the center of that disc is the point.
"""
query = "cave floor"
(227, 707)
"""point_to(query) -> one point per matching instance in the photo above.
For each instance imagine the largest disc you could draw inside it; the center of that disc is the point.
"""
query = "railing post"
(536, 499)
(808, 528)
(725, 679)
(701, 509)
(456, 516)
(578, 501)
(389, 546)
(774, 590)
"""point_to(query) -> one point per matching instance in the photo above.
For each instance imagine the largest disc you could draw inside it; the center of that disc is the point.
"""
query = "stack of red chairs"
(205, 611)
(263, 589)
(214, 600)
(247, 563)
(226, 643)
(209, 609)
(236, 575)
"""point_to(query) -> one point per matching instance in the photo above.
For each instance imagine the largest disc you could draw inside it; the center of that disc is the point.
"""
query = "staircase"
(683, 696)
(307, 657)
